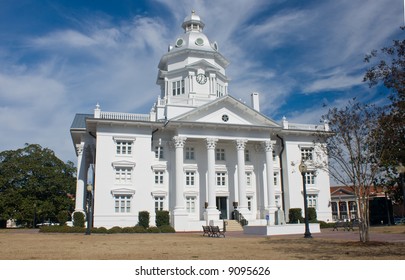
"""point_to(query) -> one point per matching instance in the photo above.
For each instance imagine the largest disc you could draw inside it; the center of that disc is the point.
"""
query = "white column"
(211, 144)
(212, 213)
(271, 197)
(81, 178)
(180, 217)
(179, 145)
(243, 206)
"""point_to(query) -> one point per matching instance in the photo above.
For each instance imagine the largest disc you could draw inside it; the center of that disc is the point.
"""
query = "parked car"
(399, 221)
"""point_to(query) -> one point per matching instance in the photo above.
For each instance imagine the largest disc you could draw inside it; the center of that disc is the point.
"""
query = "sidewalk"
(330, 234)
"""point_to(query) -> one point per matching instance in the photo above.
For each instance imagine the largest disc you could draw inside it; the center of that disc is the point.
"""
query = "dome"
(193, 23)
(193, 38)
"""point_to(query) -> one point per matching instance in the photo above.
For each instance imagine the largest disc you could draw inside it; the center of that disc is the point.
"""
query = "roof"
(79, 122)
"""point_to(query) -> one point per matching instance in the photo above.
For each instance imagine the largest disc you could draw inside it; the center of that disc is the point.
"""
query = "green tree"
(33, 181)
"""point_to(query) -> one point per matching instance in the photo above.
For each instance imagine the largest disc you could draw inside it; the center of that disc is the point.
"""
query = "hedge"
(103, 230)
(295, 215)
(162, 218)
(78, 219)
(143, 219)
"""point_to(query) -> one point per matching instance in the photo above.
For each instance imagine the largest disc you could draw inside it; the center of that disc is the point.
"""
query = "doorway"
(222, 206)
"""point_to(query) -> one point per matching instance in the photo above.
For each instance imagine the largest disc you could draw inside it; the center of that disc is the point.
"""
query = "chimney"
(255, 101)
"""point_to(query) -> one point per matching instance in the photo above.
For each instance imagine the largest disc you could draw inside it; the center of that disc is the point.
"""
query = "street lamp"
(35, 215)
(303, 169)
(89, 208)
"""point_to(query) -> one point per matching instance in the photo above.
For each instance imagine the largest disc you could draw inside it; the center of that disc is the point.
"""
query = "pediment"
(202, 64)
(227, 110)
(342, 191)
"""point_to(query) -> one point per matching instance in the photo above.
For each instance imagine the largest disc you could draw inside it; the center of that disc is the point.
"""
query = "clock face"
(201, 79)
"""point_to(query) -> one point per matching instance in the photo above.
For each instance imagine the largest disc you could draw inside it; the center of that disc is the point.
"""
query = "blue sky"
(59, 58)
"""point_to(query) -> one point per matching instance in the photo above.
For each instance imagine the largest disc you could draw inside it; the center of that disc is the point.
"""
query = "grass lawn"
(20, 244)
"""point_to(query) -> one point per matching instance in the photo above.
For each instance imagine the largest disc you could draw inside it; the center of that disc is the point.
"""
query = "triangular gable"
(226, 110)
(341, 191)
(202, 64)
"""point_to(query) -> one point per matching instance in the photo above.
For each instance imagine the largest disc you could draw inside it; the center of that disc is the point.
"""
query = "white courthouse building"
(199, 154)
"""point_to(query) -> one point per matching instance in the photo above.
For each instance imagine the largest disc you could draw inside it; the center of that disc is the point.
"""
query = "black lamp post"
(89, 208)
(35, 216)
(303, 169)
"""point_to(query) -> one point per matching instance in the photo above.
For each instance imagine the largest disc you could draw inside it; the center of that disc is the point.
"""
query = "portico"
(230, 174)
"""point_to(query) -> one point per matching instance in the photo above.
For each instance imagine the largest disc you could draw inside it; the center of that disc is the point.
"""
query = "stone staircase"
(233, 225)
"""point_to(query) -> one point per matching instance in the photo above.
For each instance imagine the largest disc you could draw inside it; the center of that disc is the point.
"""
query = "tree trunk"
(364, 220)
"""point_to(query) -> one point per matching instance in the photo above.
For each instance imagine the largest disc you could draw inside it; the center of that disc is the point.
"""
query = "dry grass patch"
(26, 245)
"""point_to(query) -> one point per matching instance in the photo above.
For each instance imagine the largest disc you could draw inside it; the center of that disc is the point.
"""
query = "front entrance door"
(222, 207)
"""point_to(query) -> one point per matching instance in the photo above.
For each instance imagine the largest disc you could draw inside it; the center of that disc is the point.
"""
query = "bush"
(139, 229)
(128, 230)
(99, 230)
(115, 229)
(166, 229)
(162, 218)
(323, 224)
(143, 219)
(312, 218)
(63, 217)
(62, 229)
(295, 215)
(153, 230)
(78, 219)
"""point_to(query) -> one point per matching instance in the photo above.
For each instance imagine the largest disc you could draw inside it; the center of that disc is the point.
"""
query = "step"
(233, 225)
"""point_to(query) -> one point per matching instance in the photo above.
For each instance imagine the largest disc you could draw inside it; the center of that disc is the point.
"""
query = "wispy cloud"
(286, 52)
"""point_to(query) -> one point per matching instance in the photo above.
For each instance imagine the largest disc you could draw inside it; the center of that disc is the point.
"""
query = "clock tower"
(191, 73)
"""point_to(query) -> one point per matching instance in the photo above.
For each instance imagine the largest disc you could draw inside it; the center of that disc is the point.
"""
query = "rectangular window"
(178, 87)
(274, 155)
(248, 178)
(189, 153)
(159, 202)
(310, 178)
(159, 175)
(220, 154)
(123, 175)
(312, 200)
(124, 147)
(220, 90)
(221, 179)
(307, 154)
(190, 204)
(190, 178)
(275, 178)
(158, 152)
(247, 155)
(122, 204)
(249, 201)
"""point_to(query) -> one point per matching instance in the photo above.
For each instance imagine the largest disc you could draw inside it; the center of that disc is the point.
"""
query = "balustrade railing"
(124, 116)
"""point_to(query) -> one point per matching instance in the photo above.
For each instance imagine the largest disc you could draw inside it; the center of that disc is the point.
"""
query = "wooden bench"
(340, 224)
(215, 231)
(206, 231)
(212, 231)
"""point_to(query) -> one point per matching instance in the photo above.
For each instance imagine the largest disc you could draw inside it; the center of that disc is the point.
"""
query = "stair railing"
(240, 218)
